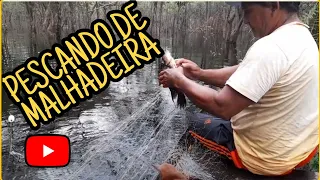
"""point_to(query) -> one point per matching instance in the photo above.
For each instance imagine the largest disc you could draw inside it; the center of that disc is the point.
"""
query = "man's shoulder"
(264, 44)
(264, 48)
(292, 40)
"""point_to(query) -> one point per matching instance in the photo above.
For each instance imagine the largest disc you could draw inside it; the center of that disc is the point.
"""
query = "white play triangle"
(46, 151)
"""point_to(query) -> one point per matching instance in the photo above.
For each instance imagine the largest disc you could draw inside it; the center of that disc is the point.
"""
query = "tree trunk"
(88, 17)
(32, 30)
(58, 25)
(173, 30)
(177, 25)
(5, 47)
(152, 18)
(233, 41)
(160, 18)
(167, 24)
(155, 20)
(97, 8)
(72, 18)
(205, 43)
(229, 22)
(184, 29)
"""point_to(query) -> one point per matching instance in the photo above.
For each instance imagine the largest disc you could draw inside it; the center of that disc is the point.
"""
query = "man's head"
(265, 17)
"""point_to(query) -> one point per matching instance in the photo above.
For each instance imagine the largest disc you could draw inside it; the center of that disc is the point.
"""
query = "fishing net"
(119, 134)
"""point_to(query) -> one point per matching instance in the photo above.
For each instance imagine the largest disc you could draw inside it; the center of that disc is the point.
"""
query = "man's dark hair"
(291, 7)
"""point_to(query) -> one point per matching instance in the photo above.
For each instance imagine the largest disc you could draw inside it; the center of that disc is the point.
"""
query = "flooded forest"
(118, 133)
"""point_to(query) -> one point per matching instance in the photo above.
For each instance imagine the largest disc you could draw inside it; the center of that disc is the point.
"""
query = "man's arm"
(217, 77)
(224, 104)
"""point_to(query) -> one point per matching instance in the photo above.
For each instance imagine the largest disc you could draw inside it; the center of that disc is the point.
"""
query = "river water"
(114, 134)
(117, 134)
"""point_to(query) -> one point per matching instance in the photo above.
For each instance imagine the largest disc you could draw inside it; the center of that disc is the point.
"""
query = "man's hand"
(171, 77)
(190, 69)
(169, 172)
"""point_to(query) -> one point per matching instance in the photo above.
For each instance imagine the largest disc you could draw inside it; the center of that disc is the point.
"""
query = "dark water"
(117, 134)
(134, 118)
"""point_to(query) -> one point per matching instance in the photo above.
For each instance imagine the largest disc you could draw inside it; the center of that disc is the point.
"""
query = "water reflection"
(131, 117)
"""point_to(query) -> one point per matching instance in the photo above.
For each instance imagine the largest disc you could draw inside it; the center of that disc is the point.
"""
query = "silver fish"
(169, 62)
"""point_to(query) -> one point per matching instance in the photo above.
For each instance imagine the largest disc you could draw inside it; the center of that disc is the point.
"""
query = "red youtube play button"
(47, 150)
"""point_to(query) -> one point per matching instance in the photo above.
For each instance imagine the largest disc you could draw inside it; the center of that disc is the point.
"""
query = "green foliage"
(310, 15)
(314, 24)
(315, 163)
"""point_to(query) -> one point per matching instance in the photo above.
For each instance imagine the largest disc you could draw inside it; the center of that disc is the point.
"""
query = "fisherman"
(267, 109)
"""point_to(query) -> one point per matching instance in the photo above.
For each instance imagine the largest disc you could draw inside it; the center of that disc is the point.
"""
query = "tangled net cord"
(12, 153)
(186, 163)
(192, 163)
(122, 127)
(145, 145)
(140, 152)
(148, 142)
